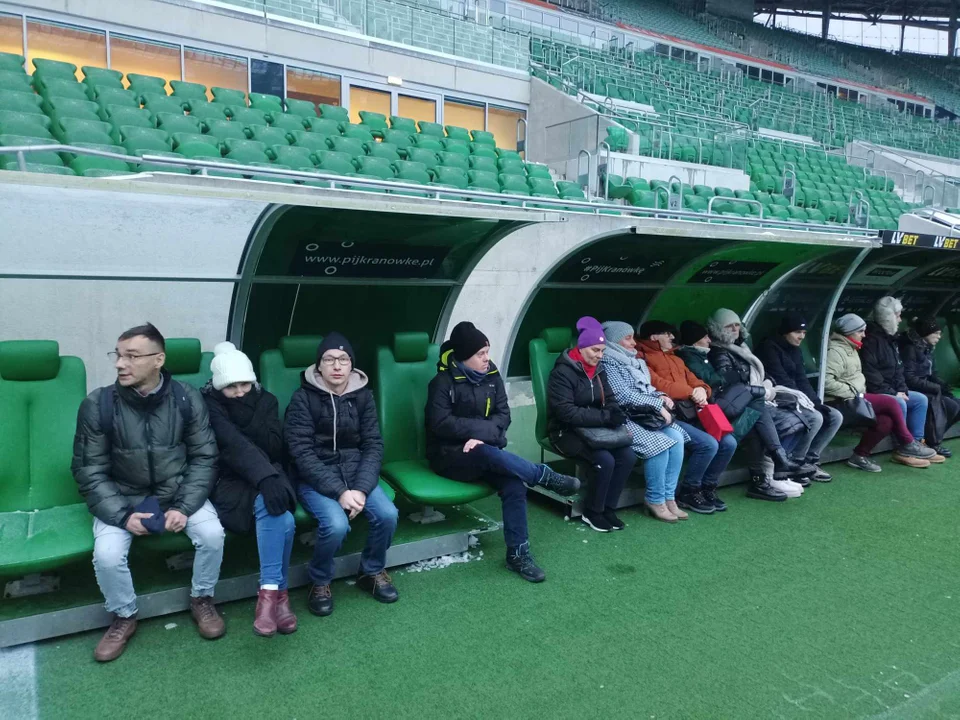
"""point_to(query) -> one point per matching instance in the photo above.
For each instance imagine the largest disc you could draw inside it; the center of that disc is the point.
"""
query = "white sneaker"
(797, 485)
(790, 489)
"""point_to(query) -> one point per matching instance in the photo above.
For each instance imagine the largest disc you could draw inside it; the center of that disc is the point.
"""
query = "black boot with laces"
(520, 561)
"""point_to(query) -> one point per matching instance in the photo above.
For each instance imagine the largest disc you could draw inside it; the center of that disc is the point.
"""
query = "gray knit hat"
(849, 324)
(616, 330)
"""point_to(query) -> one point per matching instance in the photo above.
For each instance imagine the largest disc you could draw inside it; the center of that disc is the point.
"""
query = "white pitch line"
(18, 682)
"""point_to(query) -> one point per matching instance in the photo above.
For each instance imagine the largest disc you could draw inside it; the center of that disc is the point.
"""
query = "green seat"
(298, 157)
(945, 354)
(324, 126)
(84, 163)
(570, 190)
(356, 132)
(483, 180)
(62, 88)
(384, 150)
(190, 93)
(412, 172)
(245, 115)
(245, 152)
(458, 133)
(265, 102)
(449, 159)
(403, 373)
(280, 368)
(511, 165)
(310, 141)
(544, 352)
(44, 523)
(423, 155)
(482, 137)
(542, 187)
(268, 135)
(452, 176)
(187, 363)
(455, 145)
(538, 170)
(223, 129)
(374, 167)
(197, 149)
(334, 112)
(12, 61)
(54, 69)
(407, 125)
(481, 150)
(45, 157)
(428, 142)
(211, 112)
(485, 164)
(431, 129)
(336, 163)
(26, 124)
(120, 115)
(643, 198)
(138, 140)
(141, 84)
(20, 101)
(513, 184)
(303, 108)
(15, 81)
(351, 146)
(177, 123)
(229, 96)
(374, 122)
(397, 137)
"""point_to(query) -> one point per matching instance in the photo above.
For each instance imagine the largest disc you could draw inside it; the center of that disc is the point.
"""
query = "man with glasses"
(145, 459)
(333, 440)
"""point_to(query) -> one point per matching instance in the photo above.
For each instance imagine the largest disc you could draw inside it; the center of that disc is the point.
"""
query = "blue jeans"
(662, 471)
(832, 420)
(510, 475)
(274, 544)
(706, 458)
(914, 412)
(334, 526)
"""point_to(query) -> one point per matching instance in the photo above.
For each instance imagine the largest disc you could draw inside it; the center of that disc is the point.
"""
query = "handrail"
(555, 205)
(727, 199)
(522, 142)
(604, 145)
(862, 201)
(589, 174)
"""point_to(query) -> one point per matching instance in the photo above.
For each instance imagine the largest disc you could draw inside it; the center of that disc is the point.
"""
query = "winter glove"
(617, 418)
(757, 391)
(277, 494)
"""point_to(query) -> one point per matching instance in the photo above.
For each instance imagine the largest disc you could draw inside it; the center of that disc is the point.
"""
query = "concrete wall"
(903, 169)
(235, 29)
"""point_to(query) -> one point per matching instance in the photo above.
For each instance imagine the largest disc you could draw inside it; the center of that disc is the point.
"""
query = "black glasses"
(129, 357)
(342, 361)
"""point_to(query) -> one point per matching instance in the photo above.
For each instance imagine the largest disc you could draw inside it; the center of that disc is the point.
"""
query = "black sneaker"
(611, 517)
(379, 585)
(695, 502)
(520, 561)
(560, 484)
(943, 450)
(710, 495)
(760, 489)
(822, 475)
(320, 600)
(595, 520)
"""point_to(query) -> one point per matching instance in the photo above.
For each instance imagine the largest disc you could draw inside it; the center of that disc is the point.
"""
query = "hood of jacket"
(877, 330)
(312, 379)
(913, 337)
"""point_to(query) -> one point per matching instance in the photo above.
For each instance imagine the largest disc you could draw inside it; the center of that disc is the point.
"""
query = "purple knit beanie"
(591, 333)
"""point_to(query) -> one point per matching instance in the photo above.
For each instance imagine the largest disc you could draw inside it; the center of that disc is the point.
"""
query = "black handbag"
(857, 412)
(647, 416)
(685, 410)
(734, 400)
(603, 438)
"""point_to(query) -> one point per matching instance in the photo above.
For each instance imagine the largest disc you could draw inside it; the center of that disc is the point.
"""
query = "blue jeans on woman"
(274, 544)
(706, 458)
(334, 525)
(662, 471)
(914, 411)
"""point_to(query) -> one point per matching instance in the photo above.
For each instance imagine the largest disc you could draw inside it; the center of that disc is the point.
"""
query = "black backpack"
(108, 398)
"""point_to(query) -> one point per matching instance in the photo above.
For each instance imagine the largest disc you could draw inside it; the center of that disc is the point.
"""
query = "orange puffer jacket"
(668, 372)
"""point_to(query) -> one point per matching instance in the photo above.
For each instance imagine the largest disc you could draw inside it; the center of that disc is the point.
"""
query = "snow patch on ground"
(444, 561)
(169, 626)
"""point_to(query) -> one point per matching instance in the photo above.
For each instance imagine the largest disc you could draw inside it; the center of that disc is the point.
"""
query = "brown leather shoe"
(676, 511)
(208, 620)
(659, 512)
(910, 461)
(286, 620)
(265, 618)
(114, 641)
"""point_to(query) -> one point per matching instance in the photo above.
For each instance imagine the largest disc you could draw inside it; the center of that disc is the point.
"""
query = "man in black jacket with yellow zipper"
(335, 448)
(467, 417)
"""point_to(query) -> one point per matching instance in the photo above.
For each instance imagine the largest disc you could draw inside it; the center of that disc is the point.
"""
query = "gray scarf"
(615, 352)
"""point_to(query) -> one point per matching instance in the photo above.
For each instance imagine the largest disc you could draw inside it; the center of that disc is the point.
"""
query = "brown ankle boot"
(659, 512)
(114, 641)
(265, 618)
(286, 620)
(208, 620)
(909, 461)
(675, 509)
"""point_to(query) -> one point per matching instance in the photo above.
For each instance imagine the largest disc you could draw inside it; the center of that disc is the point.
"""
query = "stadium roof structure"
(920, 13)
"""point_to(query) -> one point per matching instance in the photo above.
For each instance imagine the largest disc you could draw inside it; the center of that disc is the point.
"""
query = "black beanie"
(466, 341)
(925, 326)
(655, 327)
(691, 332)
(792, 322)
(334, 341)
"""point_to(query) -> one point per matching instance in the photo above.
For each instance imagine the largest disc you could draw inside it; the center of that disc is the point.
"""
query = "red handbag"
(714, 422)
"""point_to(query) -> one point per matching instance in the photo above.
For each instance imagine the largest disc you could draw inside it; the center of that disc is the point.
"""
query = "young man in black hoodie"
(466, 418)
(783, 360)
(335, 449)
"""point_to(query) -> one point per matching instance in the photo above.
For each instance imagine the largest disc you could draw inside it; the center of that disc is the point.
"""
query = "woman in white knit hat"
(252, 492)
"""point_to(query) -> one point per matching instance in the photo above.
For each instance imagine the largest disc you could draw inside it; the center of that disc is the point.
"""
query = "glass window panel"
(67, 43)
(214, 70)
(569, 25)
(551, 20)
(11, 34)
(370, 100)
(144, 57)
(498, 6)
(417, 108)
(266, 77)
(534, 16)
(317, 87)
(463, 114)
(502, 122)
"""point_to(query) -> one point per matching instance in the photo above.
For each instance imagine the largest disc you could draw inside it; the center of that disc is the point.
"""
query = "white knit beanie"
(230, 366)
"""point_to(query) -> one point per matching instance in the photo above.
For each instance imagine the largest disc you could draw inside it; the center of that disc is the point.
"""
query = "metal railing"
(415, 191)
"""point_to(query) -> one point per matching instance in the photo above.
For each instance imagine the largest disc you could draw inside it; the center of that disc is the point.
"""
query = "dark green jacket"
(151, 452)
(698, 364)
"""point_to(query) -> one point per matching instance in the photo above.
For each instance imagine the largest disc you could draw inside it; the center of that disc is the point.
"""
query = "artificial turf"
(843, 603)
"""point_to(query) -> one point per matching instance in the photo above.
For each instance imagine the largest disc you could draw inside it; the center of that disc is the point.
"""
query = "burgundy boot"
(265, 622)
(286, 620)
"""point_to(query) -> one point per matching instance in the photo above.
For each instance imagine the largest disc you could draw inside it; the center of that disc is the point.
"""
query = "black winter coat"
(250, 440)
(458, 410)
(333, 441)
(784, 365)
(151, 452)
(576, 400)
(920, 374)
(881, 363)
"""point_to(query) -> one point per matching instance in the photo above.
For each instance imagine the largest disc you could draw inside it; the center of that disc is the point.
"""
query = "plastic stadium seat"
(44, 169)
(304, 108)
(144, 139)
(280, 368)
(403, 373)
(268, 135)
(44, 523)
(356, 132)
(483, 180)
(334, 112)
(481, 150)
(505, 153)
(542, 187)
(454, 145)
(485, 164)
(224, 129)
(413, 172)
(55, 68)
(513, 184)
(63, 88)
(407, 125)
(422, 155)
(373, 121)
(12, 61)
(267, 103)
(229, 96)
(482, 137)
(324, 126)
(452, 176)
(76, 131)
(180, 139)
(351, 146)
(374, 167)
(198, 150)
(140, 84)
(311, 141)
(211, 112)
(616, 188)
(102, 77)
(245, 152)
(570, 190)
(431, 129)
(297, 157)
(26, 124)
(245, 115)
(15, 81)
(538, 170)
(455, 132)
(511, 165)
(177, 123)
(158, 103)
(186, 363)
(397, 137)
(384, 150)
(643, 199)
(8, 159)
(14, 101)
(335, 163)
(120, 115)
(544, 352)
(449, 159)
(288, 122)
(428, 142)
(189, 92)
